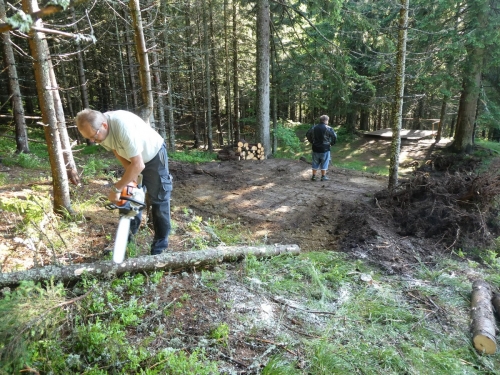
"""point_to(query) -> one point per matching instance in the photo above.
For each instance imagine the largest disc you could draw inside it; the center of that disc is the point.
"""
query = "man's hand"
(113, 197)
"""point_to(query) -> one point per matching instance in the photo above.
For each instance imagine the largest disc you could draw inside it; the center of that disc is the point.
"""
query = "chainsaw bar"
(121, 239)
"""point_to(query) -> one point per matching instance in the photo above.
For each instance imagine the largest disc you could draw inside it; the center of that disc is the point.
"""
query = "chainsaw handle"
(140, 204)
(114, 206)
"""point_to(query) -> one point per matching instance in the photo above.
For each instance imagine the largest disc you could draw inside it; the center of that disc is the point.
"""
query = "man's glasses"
(94, 138)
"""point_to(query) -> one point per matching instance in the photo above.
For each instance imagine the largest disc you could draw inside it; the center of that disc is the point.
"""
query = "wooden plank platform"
(405, 133)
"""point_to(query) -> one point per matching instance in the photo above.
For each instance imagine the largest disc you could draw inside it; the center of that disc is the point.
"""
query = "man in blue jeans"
(321, 137)
(140, 149)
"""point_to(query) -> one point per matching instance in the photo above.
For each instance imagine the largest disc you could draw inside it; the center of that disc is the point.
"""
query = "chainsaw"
(130, 204)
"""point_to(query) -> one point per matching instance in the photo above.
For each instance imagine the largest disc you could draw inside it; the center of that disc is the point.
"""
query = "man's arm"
(132, 169)
(333, 136)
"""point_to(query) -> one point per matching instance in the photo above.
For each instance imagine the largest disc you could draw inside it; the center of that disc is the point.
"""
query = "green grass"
(389, 325)
(495, 146)
(193, 156)
(359, 165)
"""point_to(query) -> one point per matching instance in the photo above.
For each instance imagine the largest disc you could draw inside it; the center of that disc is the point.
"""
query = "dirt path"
(275, 197)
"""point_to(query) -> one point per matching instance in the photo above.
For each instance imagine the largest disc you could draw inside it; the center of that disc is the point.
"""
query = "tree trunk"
(165, 261)
(206, 49)
(170, 87)
(39, 50)
(452, 127)
(15, 91)
(399, 92)
(262, 105)
(441, 119)
(69, 161)
(142, 56)
(483, 320)
(364, 122)
(350, 122)
(419, 113)
(227, 84)
(236, 90)
(75, 134)
(275, 99)
(120, 59)
(215, 79)
(191, 72)
(131, 71)
(471, 81)
(160, 106)
(82, 80)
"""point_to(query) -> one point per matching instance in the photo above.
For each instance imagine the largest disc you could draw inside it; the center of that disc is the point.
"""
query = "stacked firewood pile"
(242, 151)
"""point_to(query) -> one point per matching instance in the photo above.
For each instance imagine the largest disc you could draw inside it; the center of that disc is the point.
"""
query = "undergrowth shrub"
(287, 139)
(29, 313)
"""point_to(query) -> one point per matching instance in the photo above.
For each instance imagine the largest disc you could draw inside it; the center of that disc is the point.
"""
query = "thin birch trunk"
(39, 49)
(399, 92)
(142, 56)
(69, 161)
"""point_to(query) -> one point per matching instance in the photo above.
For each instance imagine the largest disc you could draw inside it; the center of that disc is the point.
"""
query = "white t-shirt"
(130, 136)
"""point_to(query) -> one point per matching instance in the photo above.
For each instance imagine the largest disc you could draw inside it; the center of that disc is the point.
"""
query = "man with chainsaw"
(140, 149)
(321, 137)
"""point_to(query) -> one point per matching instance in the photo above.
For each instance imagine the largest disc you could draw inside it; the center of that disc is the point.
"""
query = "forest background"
(224, 69)
(214, 72)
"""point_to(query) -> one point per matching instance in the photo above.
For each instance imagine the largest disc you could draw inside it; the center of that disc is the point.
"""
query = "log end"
(484, 344)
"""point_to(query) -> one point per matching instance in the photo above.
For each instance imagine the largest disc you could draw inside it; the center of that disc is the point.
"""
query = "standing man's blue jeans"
(320, 160)
(158, 182)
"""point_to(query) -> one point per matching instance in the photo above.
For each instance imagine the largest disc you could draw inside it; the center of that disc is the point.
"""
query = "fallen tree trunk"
(168, 261)
(483, 320)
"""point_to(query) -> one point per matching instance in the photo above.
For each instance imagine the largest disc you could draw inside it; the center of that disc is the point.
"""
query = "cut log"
(483, 320)
(166, 261)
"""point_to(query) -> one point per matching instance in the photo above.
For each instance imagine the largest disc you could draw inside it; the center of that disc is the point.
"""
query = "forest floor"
(274, 201)
(271, 201)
